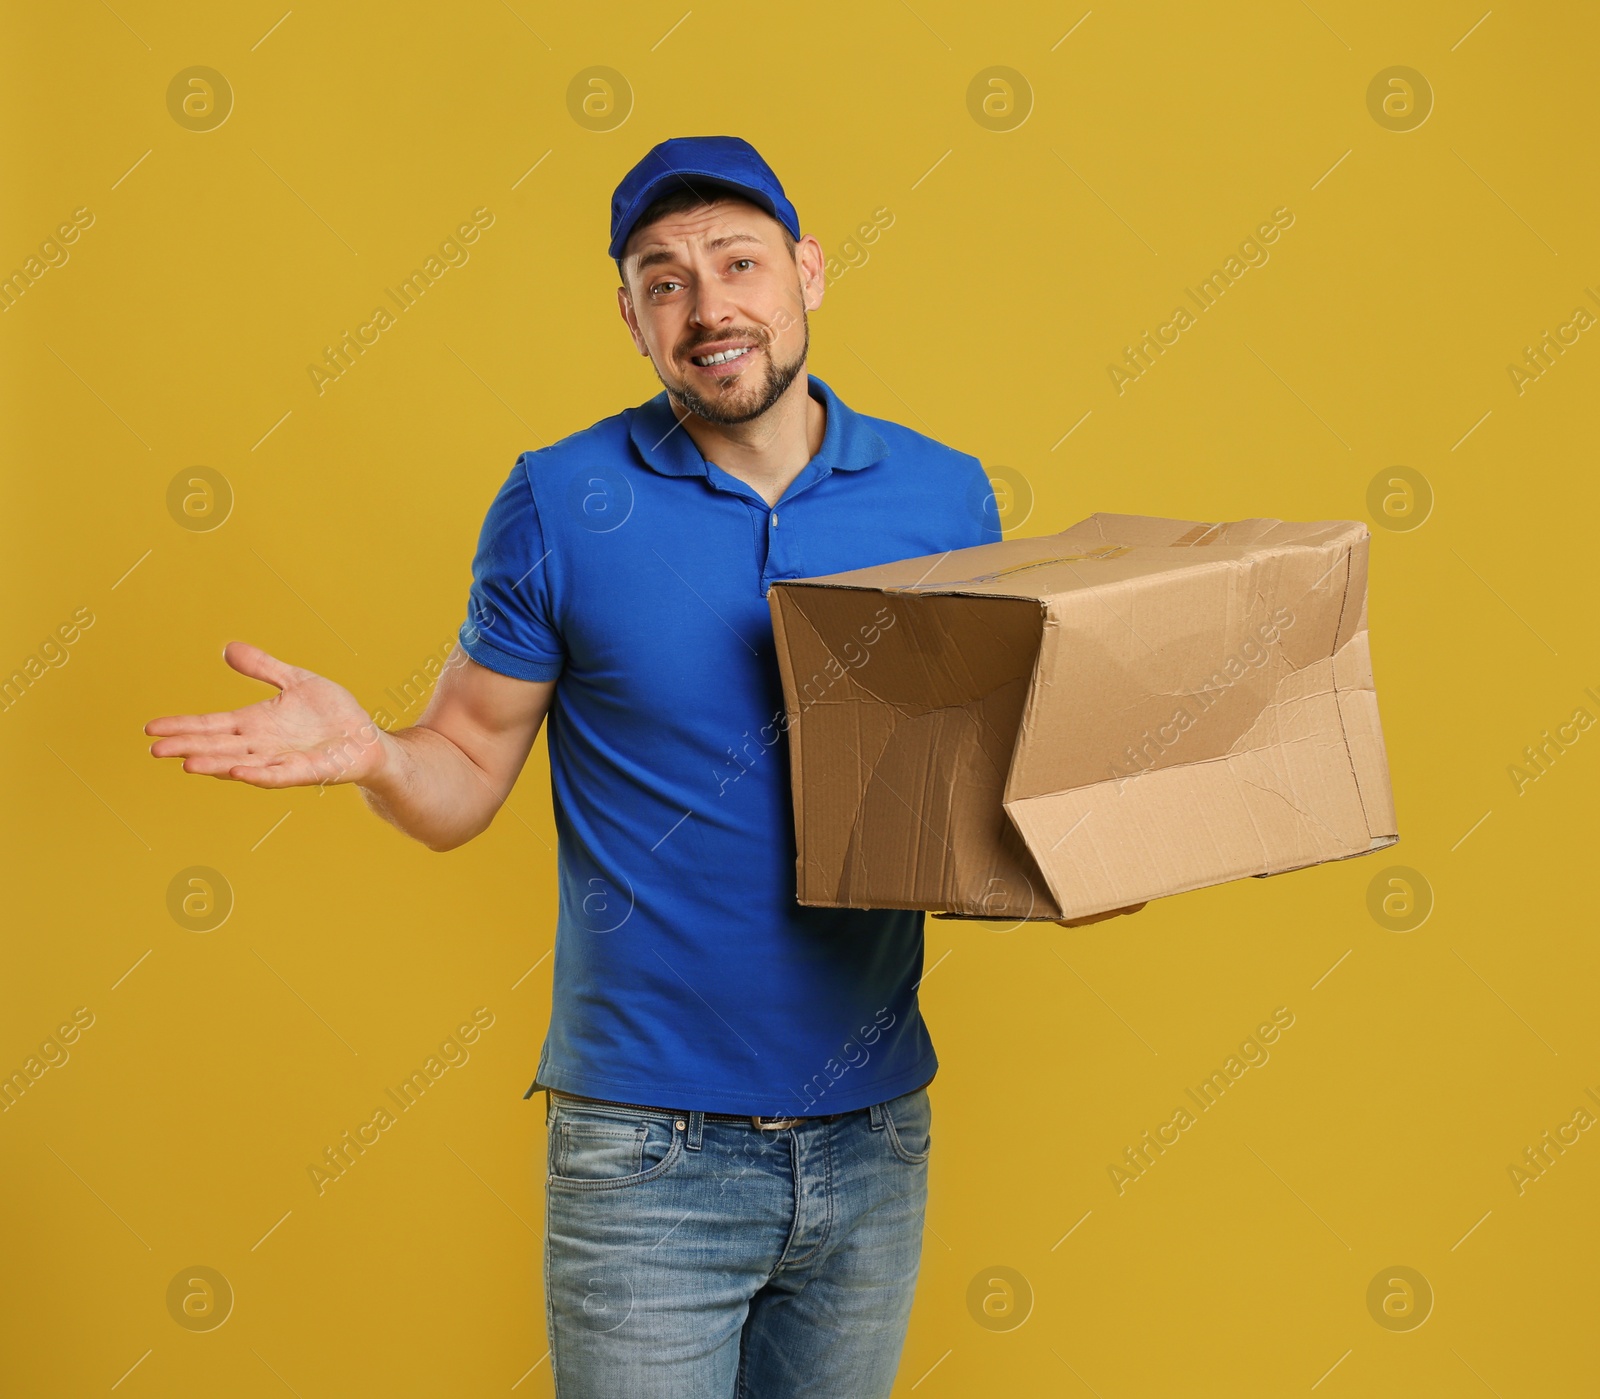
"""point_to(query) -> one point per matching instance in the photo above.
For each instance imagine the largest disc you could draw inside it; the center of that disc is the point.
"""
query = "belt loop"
(697, 1122)
(875, 1116)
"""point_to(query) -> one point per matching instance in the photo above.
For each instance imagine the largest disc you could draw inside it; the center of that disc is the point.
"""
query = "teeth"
(722, 356)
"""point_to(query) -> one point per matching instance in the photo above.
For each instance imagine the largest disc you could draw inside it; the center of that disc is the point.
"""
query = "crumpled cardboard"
(1058, 726)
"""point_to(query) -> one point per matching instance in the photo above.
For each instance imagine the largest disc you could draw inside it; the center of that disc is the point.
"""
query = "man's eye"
(659, 285)
(747, 261)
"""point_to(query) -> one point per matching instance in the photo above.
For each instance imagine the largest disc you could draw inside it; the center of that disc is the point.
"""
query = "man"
(739, 1124)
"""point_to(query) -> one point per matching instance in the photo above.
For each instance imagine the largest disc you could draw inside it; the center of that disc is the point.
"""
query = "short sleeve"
(983, 507)
(510, 625)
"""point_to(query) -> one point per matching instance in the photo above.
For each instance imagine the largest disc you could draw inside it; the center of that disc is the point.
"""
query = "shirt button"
(774, 519)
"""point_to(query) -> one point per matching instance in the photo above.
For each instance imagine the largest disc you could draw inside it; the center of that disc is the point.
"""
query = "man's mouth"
(722, 356)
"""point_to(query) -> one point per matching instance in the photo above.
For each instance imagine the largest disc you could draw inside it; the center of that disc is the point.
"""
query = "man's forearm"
(431, 790)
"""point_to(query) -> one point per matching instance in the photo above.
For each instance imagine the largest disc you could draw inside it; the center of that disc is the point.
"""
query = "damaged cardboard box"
(1053, 727)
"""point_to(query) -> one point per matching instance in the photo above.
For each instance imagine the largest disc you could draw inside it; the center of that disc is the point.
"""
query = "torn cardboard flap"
(1057, 726)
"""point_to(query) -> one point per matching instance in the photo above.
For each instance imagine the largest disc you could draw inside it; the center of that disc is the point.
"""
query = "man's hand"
(441, 781)
(312, 731)
(1099, 917)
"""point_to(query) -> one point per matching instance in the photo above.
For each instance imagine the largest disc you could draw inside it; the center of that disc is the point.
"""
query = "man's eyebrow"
(660, 255)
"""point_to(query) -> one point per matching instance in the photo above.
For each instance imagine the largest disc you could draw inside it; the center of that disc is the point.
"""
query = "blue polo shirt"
(624, 565)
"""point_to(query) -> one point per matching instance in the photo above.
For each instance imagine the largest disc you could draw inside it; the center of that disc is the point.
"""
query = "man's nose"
(712, 305)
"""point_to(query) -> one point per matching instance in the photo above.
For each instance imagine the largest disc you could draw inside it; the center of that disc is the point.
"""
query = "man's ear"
(631, 320)
(811, 262)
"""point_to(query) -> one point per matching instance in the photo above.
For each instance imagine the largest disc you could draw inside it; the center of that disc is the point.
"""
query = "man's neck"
(768, 452)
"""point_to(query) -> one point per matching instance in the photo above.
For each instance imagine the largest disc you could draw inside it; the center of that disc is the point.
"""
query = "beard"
(744, 396)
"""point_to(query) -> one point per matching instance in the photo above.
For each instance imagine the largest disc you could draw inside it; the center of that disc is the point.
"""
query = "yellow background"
(1377, 335)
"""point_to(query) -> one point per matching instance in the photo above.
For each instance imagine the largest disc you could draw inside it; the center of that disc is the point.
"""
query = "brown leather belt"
(761, 1124)
(767, 1124)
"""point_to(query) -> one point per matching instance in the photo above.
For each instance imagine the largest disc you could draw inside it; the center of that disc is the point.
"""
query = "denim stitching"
(674, 1154)
(637, 1135)
(910, 1158)
(784, 1261)
(549, 1300)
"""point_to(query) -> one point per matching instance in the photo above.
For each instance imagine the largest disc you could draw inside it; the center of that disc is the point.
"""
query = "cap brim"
(664, 182)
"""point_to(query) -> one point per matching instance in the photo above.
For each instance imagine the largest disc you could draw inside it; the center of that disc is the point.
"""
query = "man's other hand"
(441, 781)
(312, 731)
(1099, 917)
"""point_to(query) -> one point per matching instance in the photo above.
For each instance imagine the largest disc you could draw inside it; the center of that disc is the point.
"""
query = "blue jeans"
(687, 1259)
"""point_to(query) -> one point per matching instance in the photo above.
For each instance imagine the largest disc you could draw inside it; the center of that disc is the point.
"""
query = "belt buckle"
(772, 1124)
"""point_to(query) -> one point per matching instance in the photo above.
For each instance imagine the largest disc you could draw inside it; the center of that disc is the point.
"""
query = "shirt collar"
(849, 442)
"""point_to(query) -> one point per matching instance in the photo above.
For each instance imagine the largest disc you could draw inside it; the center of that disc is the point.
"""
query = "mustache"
(753, 333)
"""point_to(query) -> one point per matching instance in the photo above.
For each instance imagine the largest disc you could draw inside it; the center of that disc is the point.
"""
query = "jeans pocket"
(592, 1150)
(908, 1123)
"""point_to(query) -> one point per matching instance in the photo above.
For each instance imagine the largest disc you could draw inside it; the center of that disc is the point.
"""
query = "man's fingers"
(296, 770)
(209, 765)
(247, 660)
(291, 770)
(1099, 917)
(173, 725)
(258, 665)
(204, 745)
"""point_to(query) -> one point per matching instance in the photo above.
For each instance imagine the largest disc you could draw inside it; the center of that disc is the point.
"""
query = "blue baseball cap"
(726, 160)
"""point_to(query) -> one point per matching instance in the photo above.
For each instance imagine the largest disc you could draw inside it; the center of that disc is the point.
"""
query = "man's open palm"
(311, 731)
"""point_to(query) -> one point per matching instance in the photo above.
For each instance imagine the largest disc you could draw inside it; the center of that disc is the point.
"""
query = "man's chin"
(732, 401)
(726, 404)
